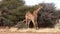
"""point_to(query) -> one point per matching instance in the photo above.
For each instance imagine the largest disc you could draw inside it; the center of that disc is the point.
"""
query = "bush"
(47, 16)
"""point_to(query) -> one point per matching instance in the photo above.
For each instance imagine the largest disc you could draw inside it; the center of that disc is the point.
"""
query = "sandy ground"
(29, 31)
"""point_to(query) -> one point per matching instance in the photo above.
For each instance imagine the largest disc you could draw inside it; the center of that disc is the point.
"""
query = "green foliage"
(8, 9)
(14, 10)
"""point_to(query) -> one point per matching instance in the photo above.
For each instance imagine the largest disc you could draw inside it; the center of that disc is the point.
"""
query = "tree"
(58, 13)
(47, 16)
(8, 9)
(13, 10)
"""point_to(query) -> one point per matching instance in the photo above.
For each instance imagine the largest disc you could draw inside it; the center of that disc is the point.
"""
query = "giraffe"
(35, 12)
(32, 17)
(29, 17)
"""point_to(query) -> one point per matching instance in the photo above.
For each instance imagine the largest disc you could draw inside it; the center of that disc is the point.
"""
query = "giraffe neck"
(36, 11)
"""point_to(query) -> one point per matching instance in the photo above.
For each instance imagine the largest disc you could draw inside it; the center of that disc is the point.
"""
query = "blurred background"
(12, 12)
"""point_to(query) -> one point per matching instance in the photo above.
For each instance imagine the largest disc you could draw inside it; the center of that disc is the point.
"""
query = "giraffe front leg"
(34, 24)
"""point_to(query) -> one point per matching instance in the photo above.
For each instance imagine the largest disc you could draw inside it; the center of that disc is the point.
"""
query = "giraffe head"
(41, 5)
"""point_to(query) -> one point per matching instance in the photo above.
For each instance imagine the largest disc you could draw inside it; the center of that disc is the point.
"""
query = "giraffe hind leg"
(28, 23)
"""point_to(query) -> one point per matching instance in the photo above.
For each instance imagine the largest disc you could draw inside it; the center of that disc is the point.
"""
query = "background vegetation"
(13, 11)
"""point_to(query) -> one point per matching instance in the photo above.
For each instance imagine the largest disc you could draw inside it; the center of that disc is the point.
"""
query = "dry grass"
(29, 30)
